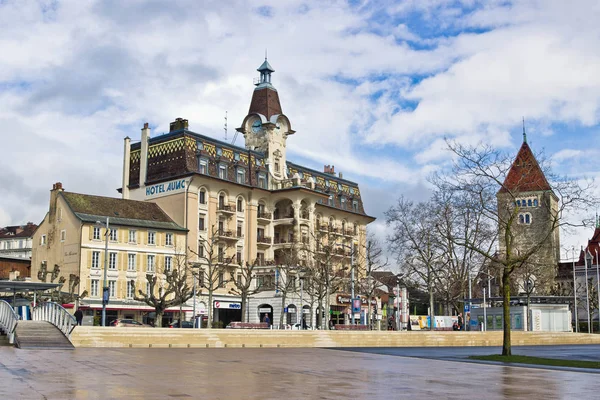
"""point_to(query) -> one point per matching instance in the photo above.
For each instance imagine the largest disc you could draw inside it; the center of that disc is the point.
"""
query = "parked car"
(128, 323)
(185, 324)
(297, 327)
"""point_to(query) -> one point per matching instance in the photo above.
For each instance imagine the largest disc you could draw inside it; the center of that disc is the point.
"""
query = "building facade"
(250, 202)
(15, 241)
(70, 243)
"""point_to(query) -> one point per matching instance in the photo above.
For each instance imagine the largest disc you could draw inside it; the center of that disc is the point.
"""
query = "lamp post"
(351, 279)
(484, 312)
(105, 291)
(301, 319)
(588, 261)
(575, 293)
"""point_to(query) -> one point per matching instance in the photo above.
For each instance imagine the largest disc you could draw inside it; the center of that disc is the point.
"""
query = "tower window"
(525, 218)
(529, 203)
(535, 202)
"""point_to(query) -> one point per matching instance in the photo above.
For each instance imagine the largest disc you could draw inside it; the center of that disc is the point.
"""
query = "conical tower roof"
(525, 174)
(265, 99)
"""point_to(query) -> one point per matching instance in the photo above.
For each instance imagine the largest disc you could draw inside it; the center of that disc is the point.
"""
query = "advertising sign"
(356, 305)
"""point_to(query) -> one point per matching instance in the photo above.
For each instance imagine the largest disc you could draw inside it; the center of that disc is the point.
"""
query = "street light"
(575, 293)
(351, 279)
(105, 291)
(588, 261)
(301, 274)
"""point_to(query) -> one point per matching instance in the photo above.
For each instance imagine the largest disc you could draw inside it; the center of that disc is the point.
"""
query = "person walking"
(267, 320)
(79, 316)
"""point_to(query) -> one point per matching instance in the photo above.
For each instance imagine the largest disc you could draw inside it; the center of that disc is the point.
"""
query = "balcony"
(349, 233)
(282, 242)
(264, 218)
(227, 235)
(263, 242)
(226, 209)
(285, 219)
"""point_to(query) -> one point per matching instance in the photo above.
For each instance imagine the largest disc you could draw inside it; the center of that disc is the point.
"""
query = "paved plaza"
(279, 373)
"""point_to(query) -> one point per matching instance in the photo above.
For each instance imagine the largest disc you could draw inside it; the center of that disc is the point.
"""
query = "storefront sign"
(264, 310)
(341, 299)
(166, 188)
(228, 304)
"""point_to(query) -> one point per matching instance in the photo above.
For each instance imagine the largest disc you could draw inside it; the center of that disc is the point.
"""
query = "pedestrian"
(79, 316)
(331, 325)
(303, 323)
(267, 320)
(460, 322)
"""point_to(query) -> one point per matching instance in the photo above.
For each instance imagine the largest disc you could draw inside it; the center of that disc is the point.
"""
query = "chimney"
(144, 155)
(57, 187)
(126, 161)
(329, 169)
(341, 176)
(178, 124)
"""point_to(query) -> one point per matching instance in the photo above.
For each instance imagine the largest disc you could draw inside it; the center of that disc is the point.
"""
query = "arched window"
(221, 201)
(202, 196)
(527, 218)
(240, 203)
(518, 203)
(529, 204)
(535, 202)
(521, 219)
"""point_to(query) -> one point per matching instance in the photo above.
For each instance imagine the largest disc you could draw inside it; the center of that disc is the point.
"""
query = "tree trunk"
(210, 310)
(281, 314)
(158, 319)
(506, 348)
(181, 315)
(244, 305)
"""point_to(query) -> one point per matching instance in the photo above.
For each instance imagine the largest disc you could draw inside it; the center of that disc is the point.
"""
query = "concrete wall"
(84, 336)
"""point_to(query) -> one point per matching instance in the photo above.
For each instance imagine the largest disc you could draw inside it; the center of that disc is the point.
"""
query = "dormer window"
(223, 171)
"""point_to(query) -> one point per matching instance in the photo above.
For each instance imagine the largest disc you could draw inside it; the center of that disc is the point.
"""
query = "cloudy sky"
(372, 87)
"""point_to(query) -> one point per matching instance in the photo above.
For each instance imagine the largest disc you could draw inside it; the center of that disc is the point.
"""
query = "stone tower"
(527, 197)
(266, 128)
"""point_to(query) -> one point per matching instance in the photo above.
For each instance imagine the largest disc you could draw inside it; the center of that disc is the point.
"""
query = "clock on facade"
(256, 126)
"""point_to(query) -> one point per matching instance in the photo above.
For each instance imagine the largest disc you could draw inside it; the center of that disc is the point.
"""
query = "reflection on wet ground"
(270, 374)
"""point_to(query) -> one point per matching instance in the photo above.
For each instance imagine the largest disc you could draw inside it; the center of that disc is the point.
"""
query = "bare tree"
(243, 285)
(325, 264)
(494, 185)
(167, 287)
(213, 262)
(373, 262)
(416, 245)
(58, 295)
(287, 272)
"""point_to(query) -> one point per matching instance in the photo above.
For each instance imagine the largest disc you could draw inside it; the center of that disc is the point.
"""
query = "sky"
(372, 87)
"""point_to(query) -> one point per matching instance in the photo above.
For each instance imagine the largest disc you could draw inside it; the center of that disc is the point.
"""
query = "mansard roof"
(525, 174)
(265, 101)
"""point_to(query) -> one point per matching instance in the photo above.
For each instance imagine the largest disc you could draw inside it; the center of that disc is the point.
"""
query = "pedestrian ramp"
(40, 335)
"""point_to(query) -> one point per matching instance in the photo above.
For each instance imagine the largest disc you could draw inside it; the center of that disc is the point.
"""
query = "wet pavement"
(279, 373)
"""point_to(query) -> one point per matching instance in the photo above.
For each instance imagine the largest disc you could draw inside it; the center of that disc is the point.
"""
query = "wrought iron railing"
(56, 315)
(8, 320)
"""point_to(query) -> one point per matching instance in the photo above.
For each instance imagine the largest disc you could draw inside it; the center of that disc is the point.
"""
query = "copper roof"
(265, 101)
(525, 174)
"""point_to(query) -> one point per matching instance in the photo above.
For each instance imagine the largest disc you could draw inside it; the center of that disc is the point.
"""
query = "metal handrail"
(57, 315)
(8, 320)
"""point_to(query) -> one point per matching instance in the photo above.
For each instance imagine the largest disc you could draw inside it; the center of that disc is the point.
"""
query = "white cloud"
(83, 75)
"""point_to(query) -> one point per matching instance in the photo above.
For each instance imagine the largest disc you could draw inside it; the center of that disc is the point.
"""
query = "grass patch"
(539, 361)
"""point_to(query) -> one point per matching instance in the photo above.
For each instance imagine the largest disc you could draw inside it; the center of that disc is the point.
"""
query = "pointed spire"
(524, 134)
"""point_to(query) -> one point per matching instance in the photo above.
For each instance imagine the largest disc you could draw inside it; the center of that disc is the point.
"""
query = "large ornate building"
(251, 202)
